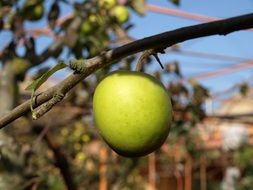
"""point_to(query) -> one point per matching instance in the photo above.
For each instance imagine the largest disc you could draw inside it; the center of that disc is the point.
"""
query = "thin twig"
(143, 58)
(61, 160)
(40, 111)
(146, 54)
(166, 39)
(40, 136)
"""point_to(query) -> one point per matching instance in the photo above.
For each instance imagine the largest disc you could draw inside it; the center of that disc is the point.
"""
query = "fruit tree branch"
(56, 45)
(61, 160)
(159, 41)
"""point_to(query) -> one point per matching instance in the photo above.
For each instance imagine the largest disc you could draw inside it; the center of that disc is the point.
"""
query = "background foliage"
(63, 149)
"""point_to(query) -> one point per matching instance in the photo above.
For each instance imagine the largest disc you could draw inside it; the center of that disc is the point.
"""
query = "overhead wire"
(202, 18)
(178, 13)
(215, 56)
(245, 63)
(182, 14)
(223, 71)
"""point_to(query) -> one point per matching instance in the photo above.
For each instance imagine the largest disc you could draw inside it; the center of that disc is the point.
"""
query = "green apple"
(120, 13)
(33, 10)
(107, 4)
(132, 111)
(90, 24)
(38, 11)
(86, 28)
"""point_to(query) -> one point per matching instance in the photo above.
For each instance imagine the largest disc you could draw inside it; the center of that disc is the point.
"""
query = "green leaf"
(175, 2)
(38, 82)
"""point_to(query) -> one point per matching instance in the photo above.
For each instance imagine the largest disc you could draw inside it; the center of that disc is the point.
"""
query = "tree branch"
(56, 45)
(61, 162)
(163, 40)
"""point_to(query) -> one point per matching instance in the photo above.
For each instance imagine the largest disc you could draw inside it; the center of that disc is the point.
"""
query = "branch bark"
(163, 40)
(60, 158)
(8, 88)
(55, 46)
(61, 162)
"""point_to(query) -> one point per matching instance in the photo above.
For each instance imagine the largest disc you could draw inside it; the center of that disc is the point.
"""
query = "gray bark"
(8, 89)
(9, 178)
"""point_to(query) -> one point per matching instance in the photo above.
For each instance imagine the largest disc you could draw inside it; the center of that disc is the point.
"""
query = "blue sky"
(236, 44)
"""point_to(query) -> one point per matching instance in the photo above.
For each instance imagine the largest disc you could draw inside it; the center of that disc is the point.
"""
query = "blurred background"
(209, 79)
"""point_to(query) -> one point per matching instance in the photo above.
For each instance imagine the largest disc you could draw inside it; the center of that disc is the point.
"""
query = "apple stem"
(144, 57)
(58, 96)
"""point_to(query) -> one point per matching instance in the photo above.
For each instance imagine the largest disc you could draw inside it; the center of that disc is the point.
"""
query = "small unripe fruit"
(107, 4)
(132, 111)
(33, 10)
(90, 24)
(86, 28)
(121, 14)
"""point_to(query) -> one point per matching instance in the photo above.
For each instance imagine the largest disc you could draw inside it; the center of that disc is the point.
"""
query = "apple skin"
(121, 14)
(38, 12)
(90, 24)
(108, 4)
(132, 111)
(33, 10)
